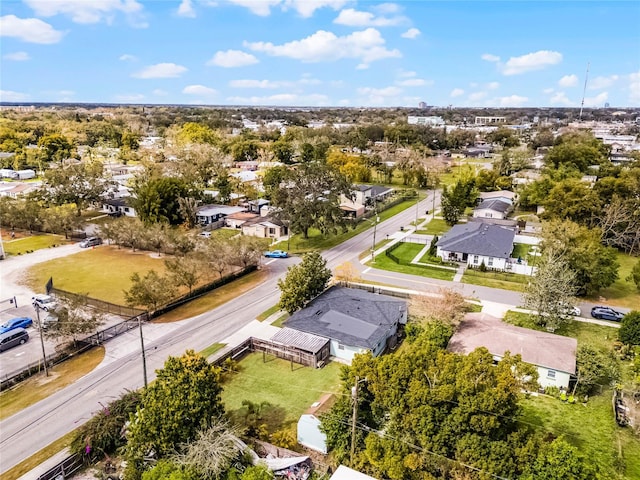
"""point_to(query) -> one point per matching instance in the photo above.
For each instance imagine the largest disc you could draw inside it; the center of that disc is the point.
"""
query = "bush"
(482, 267)
(629, 332)
(552, 391)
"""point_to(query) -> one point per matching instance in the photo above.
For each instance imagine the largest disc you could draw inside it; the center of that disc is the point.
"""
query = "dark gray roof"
(479, 239)
(377, 190)
(117, 202)
(494, 204)
(363, 188)
(350, 316)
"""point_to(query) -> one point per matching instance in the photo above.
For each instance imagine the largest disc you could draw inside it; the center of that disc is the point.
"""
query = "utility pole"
(144, 358)
(417, 205)
(354, 393)
(373, 246)
(44, 355)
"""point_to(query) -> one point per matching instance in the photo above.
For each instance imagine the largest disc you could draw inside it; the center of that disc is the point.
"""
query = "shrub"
(629, 332)
(482, 267)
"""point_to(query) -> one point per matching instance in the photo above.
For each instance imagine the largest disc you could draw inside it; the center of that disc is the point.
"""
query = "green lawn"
(622, 292)
(280, 320)
(437, 226)
(591, 428)
(385, 263)
(225, 233)
(406, 251)
(521, 250)
(35, 242)
(211, 349)
(506, 281)
(102, 273)
(317, 241)
(267, 313)
(276, 383)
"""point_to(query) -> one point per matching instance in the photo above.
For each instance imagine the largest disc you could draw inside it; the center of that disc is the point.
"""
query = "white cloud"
(88, 11)
(568, 81)
(186, 9)
(356, 18)
(456, 92)
(490, 58)
(30, 30)
(414, 82)
(493, 85)
(366, 46)
(282, 99)
(385, 8)
(411, 33)
(512, 101)
(548, 90)
(381, 92)
(158, 92)
(602, 82)
(634, 87)
(161, 70)
(476, 96)
(257, 84)
(129, 98)
(127, 58)
(306, 8)
(232, 59)
(17, 56)
(406, 74)
(258, 7)
(597, 101)
(199, 90)
(530, 62)
(560, 98)
(11, 96)
(362, 66)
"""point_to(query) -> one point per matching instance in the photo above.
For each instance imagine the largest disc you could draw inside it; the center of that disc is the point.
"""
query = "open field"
(37, 241)
(317, 241)
(276, 383)
(592, 429)
(506, 281)
(622, 292)
(102, 273)
(39, 386)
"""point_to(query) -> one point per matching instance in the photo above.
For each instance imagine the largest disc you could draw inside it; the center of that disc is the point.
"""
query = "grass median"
(32, 243)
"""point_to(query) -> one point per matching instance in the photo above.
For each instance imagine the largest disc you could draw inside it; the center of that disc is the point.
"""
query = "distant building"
(431, 121)
(422, 105)
(490, 120)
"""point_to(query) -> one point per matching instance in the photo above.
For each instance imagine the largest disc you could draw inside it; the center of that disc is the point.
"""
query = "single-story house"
(6, 172)
(380, 193)
(478, 152)
(208, 214)
(492, 209)
(355, 321)
(503, 195)
(255, 206)
(122, 205)
(17, 189)
(309, 434)
(346, 473)
(352, 210)
(265, 227)
(477, 242)
(236, 220)
(24, 174)
(553, 355)
(354, 206)
(246, 176)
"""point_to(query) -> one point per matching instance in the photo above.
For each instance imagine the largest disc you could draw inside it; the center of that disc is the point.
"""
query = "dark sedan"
(606, 313)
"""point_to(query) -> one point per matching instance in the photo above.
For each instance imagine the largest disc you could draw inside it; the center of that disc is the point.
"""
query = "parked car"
(45, 302)
(90, 242)
(571, 309)
(13, 338)
(606, 313)
(205, 234)
(276, 254)
(18, 322)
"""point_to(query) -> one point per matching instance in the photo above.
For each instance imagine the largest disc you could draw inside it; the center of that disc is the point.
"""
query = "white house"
(360, 197)
(24, 174)
(309, 434)
(119, 206)
(554, 356)
(492, 209)
(475, 243)
(502, 195)
(264, 227)
(208, 214)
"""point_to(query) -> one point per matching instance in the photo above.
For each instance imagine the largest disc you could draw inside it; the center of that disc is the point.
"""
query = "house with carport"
(554, 356)
(353, 321)
(475, 243)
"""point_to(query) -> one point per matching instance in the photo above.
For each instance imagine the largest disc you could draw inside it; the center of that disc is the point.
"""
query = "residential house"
(477, 242)
(502, 195)
(265, 227)
(6, 172)
(236, 220)
(119, 206)
(478, 152)
(354, 321)
(380, 193)
(309, 434)
(492, 209)
(255, 206)
(355, 206)
(208, 214)
(553, 355)
(17, 189)
(23, 174)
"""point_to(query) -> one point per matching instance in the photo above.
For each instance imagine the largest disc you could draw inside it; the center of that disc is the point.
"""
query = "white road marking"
(366, 270)
(270, 261)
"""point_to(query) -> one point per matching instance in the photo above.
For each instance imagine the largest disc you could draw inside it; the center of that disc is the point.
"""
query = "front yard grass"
(102, 273)
(521, 250)
(317, 241)
(506, 281)
(436, 226)
(407, 251)
(591, 428)
(34, 242)
(621, 293)
(383, 262)
(275, 382)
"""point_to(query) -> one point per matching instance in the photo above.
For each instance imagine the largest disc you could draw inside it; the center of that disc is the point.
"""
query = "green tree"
(169, 470)
(594, 368)
(244, 150)
(196, 133)
(272, 180)
(258, 472)
(62, 219)
(185, 271)
(158, 200)
(456, 199)
(303, 282)
(595, 265)
(559, 460)
(149, 291)
(576, 152)
(504, 136)
(629, 332)
(55, 147)
(282, 150)
(634, 276)
(574, 200)
(184, 399)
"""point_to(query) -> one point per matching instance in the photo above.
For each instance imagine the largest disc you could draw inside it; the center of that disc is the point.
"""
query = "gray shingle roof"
(304, 341)
(494, 204)
(538, 348)
(479, 239)
(350, 316)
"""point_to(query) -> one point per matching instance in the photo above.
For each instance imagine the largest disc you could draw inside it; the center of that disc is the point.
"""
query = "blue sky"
(321, 52)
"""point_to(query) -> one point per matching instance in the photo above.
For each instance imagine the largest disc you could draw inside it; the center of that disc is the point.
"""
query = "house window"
(475, 259)
(126, 209)
(272, 231)
(340, 347)
(490, 262)
(551, 374)
(488, 215)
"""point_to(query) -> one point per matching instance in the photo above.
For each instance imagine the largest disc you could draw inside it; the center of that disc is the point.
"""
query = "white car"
(44, 302)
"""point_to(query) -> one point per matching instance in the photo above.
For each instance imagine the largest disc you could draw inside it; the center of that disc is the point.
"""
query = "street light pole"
(44, 355)
(373, 246)
(144, 358)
